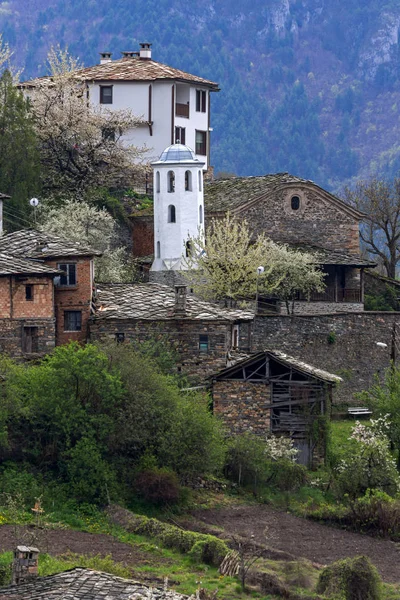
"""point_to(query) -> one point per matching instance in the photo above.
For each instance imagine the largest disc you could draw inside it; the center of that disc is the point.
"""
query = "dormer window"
(295, 203)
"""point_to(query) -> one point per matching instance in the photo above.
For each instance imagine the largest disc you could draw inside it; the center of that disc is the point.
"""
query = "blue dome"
(178, 153)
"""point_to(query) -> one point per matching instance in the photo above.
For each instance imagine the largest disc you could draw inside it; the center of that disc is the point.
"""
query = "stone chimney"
(25, 564)
(145, 50)
(180, 301)
(129, 54)
(105, 57)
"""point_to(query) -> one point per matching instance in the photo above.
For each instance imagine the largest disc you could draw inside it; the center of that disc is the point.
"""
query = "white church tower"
(178, 208)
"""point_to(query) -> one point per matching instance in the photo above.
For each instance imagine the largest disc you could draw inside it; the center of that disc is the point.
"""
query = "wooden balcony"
(182, 110)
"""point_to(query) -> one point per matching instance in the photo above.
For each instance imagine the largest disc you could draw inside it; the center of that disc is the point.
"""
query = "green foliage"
(158, 486)
(287, 476)
(19, 160)
(6, 559)
(386, 300)
(246, 461)
(331, 338)
(49, 565)
(351, 579)
(203, 548)
(378, 513)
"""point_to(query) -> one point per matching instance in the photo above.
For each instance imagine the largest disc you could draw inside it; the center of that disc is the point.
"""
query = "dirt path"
(303, 538)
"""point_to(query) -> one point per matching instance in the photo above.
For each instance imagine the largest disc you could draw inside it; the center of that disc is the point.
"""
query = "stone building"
(296, 212)
(200, 333)
(66, 299)
(272, 392)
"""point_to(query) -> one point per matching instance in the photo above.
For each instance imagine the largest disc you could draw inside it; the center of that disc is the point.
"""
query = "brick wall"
(41, 305)
(142, 235)
(76, 298)
(242, 406)
(181, 335)
(344, 344)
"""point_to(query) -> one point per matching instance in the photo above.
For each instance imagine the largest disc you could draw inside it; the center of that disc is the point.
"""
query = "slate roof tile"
(11, 265)
(152, 302)
(37, 244)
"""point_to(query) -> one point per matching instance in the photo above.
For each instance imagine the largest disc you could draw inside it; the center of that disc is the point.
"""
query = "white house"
(178, 206)
(174, 105)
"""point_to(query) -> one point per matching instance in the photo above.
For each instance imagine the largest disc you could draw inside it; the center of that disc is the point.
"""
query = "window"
(158, 181)
(188, 181)
(106, 94)
(171, 214)
(235, 336)
(295, 202)
(201, 143)
(120, 338)
(29, 292)
(68, 278)
(30, 340)
(180, 135)
(201, 101)
(200, 214)
(200, 181)
(188, 249)
(203, 343)
(72, 320)
(108, 134)
(171, 182)
(158, 250)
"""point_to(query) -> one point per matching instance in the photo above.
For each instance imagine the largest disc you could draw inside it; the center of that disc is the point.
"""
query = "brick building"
(201, 333)
(66, 298)
(271, 392)
(296, 212)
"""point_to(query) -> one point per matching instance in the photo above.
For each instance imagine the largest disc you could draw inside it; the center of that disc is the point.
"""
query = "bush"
(202, 548)
(287, 476)
(351, 579)
(246, 461)
(158, 486)
(378, 513)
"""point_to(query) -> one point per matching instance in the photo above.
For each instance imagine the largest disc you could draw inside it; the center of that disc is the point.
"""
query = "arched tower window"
(158, 250)
(295, 202)
(188, 248)
(200, 214)
(171, 181)
(200, 180)
(188, 181)
(171, 214)
(158, 181)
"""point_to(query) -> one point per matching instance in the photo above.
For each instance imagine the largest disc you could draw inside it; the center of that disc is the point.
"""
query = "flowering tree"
(281, 448)
(371, 465)
(96, 228)
(81, 144)
(224, 266)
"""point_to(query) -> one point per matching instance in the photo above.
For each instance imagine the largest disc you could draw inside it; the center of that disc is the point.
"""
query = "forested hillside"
(308, 86)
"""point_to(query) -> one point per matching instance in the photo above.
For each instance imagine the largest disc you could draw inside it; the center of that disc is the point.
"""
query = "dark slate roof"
(83, 584)
(11, 265)
(4, 197)
(284, 359)
(383, 278)
(153, 302)
(231, 194)
(324, 256)
(131, 69)
(36, 244)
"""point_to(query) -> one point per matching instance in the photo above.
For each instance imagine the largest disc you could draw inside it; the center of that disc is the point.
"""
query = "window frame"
(67, 315)
(171, 213)
(119, 337)
(67, 275)
(204, 344)
(201, 147)
(34, 337)
(295, 200)
(103, 99)
(29, 292)
(178, 135)
(201, 101)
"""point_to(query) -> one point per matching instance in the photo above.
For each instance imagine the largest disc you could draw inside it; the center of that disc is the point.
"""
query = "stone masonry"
(242, 406)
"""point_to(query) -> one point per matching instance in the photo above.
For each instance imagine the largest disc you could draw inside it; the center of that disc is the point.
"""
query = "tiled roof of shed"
(11, 265)
(84, 584)
(222, 195)
(131, 69)
(36, 244)
(152, 302)
(325, 256)
(285, 359)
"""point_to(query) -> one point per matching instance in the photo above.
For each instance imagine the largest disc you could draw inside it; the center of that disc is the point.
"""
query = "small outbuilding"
(271, 392)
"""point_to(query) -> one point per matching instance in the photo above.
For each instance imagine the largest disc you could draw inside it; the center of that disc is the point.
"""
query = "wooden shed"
(271, 392)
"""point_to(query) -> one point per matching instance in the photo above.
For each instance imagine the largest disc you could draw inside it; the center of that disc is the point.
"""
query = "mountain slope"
(310, 86)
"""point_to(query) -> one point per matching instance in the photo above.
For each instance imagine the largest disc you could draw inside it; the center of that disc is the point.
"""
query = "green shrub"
(158, 486)
(378, 513)
(5, 568)
(351, 579)
(287, 476)
(203, 548)
(246, 461)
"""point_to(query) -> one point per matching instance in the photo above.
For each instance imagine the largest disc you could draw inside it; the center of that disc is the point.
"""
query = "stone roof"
(324, 256)
(131, 69)
(4, 197)
(36, 244)
(155, 302)
(11, 265)
(232, 194)
(288, 360)
(84, 584)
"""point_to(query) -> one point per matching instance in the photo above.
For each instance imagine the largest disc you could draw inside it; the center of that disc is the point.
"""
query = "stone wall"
(344, 344)
(180, 335)
(242, 406)
(11, 332)
(313, 308)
